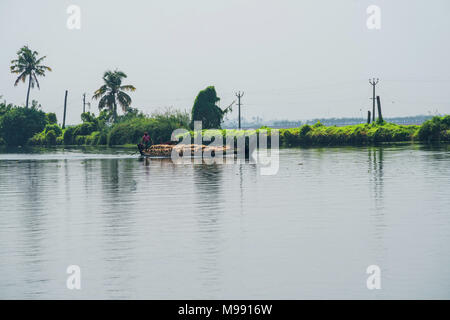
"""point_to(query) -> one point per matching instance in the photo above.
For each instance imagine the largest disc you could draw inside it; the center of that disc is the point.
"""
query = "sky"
(294, 60)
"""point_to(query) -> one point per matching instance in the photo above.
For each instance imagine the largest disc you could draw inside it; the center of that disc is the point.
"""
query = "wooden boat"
(165, 150)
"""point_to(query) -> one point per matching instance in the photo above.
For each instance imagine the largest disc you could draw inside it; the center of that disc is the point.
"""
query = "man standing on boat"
(146, 140)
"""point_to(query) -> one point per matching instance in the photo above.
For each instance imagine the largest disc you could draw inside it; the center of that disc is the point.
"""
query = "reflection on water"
(376, 170)
(376, 182)
(152, 229)
(209, 207)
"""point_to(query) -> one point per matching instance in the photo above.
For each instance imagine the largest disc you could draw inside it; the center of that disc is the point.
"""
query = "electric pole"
(65, 108)
(373, 82)
(85, 103)
(239, 95)
(380, 116)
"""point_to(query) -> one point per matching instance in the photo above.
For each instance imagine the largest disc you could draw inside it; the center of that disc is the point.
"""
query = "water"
(162, 231)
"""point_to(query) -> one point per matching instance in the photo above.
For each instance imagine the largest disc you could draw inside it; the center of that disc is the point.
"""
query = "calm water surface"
(162, 231)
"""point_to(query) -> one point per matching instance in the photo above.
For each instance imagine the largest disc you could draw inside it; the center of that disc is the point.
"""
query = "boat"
(166, 150)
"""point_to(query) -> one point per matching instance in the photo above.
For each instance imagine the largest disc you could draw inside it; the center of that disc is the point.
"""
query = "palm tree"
(28, 65)
(112, 92)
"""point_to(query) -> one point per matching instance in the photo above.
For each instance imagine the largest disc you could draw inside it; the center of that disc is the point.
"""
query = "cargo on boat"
(165, 150)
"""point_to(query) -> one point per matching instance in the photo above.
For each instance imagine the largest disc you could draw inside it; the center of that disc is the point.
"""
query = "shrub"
(93, 139)
(89, 126)
(50, 138)
(85, 128)
(80, 140)
(51, 118)
(88, 117)
(446, 122)
(431, 129)
(290, 137)
(159, 126)
(53, 127)
(4, 108)
(37, 140)
(19, 124)
(68, 136)
(305, 129)
(103, 138)
(318, 125)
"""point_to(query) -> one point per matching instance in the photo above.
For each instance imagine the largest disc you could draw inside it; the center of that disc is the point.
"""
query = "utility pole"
(239, 95)
(373, 82)
(65, 108)
(84, 102)
(368, 117)
(380, 116)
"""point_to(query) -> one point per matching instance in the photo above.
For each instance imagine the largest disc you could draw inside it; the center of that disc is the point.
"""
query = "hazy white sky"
(294, 59)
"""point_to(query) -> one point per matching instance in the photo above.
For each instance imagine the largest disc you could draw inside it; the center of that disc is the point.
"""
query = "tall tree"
(206, 110)
(28, 65)
(112, 92)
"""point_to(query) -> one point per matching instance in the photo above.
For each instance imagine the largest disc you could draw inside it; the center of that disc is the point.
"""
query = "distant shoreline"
(340, 122)
(435, 130)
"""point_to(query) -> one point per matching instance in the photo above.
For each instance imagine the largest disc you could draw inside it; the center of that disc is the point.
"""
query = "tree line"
(30, 125)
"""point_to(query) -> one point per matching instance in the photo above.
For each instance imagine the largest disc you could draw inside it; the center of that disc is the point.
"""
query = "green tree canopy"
(206, 110)
(113, 92)
(20, 124)
(28, 65)
(51, 118)
(4, 108)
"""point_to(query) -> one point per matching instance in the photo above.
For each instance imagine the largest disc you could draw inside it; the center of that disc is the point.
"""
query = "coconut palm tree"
(28, 65)
(112, 92)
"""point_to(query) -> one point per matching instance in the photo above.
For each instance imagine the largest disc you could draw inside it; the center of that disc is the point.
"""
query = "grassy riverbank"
(93, 131)
(31, 126)
(361, 134)
(433, 130)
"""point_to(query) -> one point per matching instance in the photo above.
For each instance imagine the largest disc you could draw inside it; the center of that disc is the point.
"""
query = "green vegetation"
(19, 124)
(113, 92)
(93, 131)
(436, 129)
(361, 134)
(206, 111)
(159, 126)
(48, 136)
(128, 129)
(28, 65)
